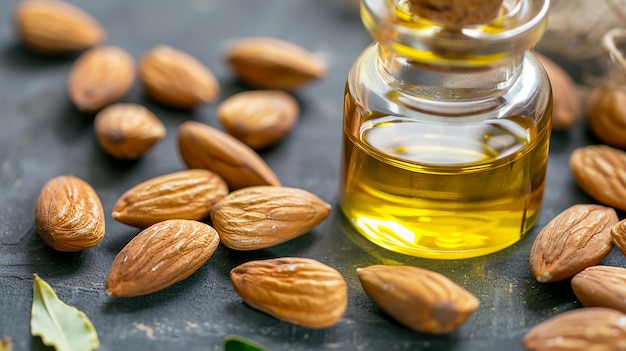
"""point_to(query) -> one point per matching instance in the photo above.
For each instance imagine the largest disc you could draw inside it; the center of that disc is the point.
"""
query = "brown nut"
(161, 255)
(566, 102)
(606, 115)
(591, 328)
(300, 291)
(177, 79)
(420, 299)
(202, 146)
(99, 77)
(69, 215)
(270, 63)
(259, 118)
(258, 217)
(188, 194)
(56, 27)
(618, 235)
(601, 286)
(579, 237)
(127, 131)
(600, 171)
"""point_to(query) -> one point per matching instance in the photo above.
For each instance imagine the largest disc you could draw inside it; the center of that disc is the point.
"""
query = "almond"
(175, 78)
(259, 118)
(606, 115)
(579, 237)
(69, 215)
(271, 63)
(161, 255)
(202, 146)
(127, 131)
(600, 171)
(420, 299)
(300, 291)
(566, 103)
(258, 217)
(601, 286)
(99, 77)
(618, 235)
(591, 328)
(56, 27)
(188, 194)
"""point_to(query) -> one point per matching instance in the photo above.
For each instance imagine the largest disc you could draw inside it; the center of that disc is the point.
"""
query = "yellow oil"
(442, 190)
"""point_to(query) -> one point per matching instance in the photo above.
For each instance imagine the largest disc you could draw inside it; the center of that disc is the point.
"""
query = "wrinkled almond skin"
(202, 146)
(56, 27)
(590, 328)
(176, 78)
(600, 171)
(579, 237)
(188, 194)
(161, 255)
(259, 217)
(259, 118)
(601, 286)
(618, 235)
(127, 131)
(69, 215)
(270, 63)
(99, 77)
(606, 115)
(566, 102)
(420, 299)
(300, 291)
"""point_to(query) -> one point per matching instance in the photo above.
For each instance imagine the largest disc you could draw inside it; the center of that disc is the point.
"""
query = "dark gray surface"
(42, 136)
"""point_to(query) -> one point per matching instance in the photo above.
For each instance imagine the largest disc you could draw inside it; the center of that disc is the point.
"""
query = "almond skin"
(590, 328)
(618, 235)
(127, 131)
(420, 299)
(259, 217)
(188, 194)
(161, 255)
(177, 79)
(606, 115)
(567, 104)
(579, 237)
(601, 286)
(271, 63)
(69, 215)
(99, 77)
(202, 146)
(300, 291)
(259, 118)
(56, 27)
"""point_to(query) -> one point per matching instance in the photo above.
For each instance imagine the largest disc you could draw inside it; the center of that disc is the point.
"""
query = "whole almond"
(127, 131)
(161, 255)
(258, 217)
(259, 118)
(420, 299)
(188, 194)
(618, 235)
(579, 237)
(56, 27)
(99, 77)
(202, 146)
(566, 102)
(600, 171)
(175, 78)
(601, 286)
(69, 215)
(590, 328)
(606, 115)
(271, 63)
(300, 291)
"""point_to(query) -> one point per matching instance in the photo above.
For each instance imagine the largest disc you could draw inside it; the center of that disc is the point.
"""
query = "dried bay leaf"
(61, 326)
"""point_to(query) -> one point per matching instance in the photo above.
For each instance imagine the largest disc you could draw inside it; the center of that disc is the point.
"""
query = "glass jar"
(446, 131)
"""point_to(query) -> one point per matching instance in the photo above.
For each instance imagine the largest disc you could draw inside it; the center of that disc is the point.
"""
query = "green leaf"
(239, 343)
(61, 326)
(6, 344)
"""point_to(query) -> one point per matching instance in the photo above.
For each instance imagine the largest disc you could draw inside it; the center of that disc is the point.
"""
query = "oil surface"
(441, 190)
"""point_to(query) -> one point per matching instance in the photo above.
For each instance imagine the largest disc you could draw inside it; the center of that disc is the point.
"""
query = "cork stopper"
(457, 13)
